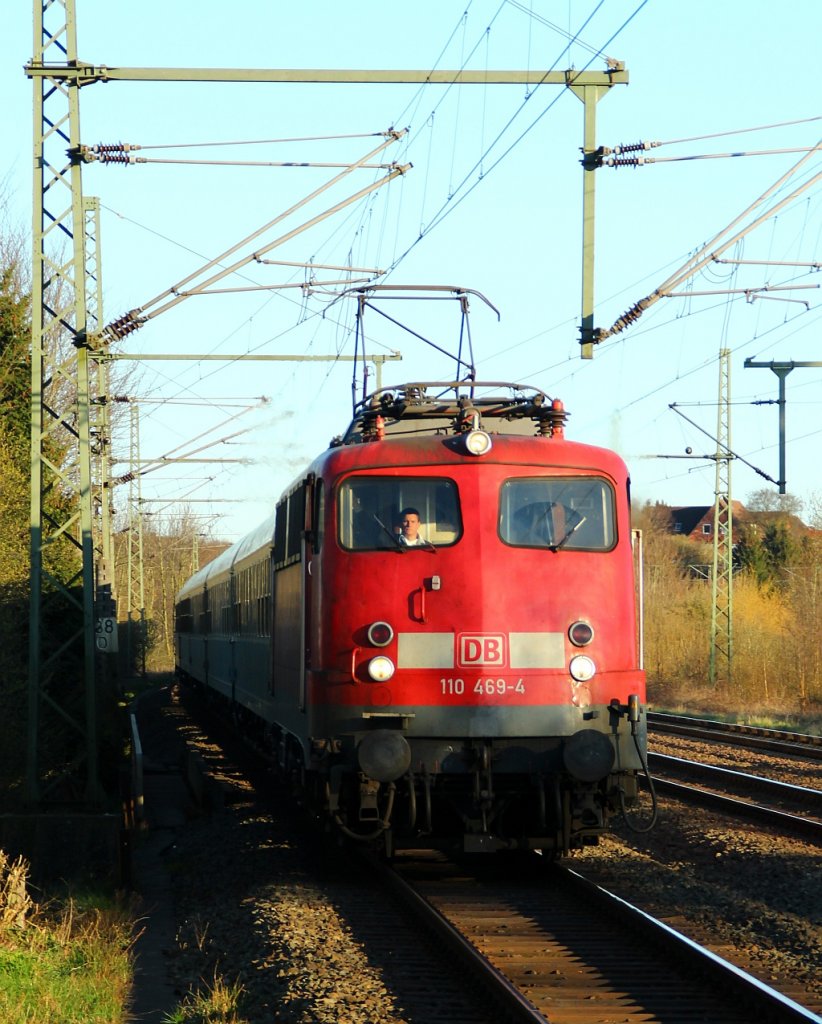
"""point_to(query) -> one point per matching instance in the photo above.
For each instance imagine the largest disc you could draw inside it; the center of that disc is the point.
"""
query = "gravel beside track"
(238, 895)
(752, 896)
(257, 902)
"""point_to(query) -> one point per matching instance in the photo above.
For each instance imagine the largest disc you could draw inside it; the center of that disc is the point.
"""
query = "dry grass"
(776, 670)
(217, 1003)
(63, 962)
(15, 902)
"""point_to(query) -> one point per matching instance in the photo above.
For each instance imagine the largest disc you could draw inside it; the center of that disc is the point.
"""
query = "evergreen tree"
(780, 550)
(14, 428)
(750, 555)
(767, 555)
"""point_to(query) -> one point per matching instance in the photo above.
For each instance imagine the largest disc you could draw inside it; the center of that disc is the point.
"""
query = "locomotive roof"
(415, 411)
(449, 407)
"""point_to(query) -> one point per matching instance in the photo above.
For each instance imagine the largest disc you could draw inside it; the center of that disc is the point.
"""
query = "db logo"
(482, 649)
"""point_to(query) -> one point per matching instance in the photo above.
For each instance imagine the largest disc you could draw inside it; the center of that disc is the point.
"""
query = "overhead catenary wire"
(258, 142)
(486, 171)
(249, 163)
(741, 131)
(456, 197)
(719, 244)
(572, 37)
(169, 297)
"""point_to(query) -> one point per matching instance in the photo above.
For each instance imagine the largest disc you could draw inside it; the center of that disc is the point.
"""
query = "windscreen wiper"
(394, 537)
(568, 535)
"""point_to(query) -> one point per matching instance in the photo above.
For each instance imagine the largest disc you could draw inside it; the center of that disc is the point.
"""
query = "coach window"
(289, 528)
(571, 513)
(369, 508)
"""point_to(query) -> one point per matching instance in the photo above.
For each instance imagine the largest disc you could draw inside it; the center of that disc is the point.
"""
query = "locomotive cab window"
(376, 512)
(571, 513)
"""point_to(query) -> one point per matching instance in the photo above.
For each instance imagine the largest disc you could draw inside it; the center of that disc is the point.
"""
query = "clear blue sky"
(493, 202)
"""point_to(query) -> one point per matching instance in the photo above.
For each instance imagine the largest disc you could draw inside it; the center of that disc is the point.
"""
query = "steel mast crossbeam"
(781, 370)
(587, 86)
(87, 74)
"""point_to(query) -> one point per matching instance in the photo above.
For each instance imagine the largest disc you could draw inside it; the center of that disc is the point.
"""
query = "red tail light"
(380, 634)
(581, 633)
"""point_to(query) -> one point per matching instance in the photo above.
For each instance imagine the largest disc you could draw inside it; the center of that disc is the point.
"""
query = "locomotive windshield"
(557, 512)
(384, 512)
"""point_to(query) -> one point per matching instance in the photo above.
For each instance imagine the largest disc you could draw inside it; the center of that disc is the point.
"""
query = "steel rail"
(761, 1001)
(511, 1002)
(808, 828)
(765, 1002)
(802, 744)
(780, 790)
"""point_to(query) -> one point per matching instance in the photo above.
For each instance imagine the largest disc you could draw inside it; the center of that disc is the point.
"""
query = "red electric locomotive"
(437, 633)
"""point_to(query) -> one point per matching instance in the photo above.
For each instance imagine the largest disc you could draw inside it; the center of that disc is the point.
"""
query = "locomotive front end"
(474, 649)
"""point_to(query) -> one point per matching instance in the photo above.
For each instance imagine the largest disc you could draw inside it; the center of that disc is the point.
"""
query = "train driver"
(540, 523)
(409, 527)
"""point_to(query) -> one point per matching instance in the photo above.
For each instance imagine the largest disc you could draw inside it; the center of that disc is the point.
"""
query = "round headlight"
(477, 442)
(380, 634)
(580, 633)
(582, 668)
(381, 668)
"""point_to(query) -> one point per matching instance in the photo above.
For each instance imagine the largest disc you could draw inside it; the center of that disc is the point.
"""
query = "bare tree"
(767, 500)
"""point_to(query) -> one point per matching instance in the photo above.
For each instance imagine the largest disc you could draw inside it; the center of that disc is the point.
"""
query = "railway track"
(755, 737)
(546, 947)
(555, 947)
(748, 791)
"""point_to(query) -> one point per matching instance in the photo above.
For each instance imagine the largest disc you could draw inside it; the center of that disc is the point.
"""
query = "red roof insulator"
(552, 421)
(373, 428)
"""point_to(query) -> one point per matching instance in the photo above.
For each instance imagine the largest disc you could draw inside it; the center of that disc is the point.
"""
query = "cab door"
(292, 588)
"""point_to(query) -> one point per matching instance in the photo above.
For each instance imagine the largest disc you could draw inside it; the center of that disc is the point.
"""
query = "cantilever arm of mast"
(730, 453)
(165, 460)
(135, 318)
(232, 357)
(306, 286)
(711, 250)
